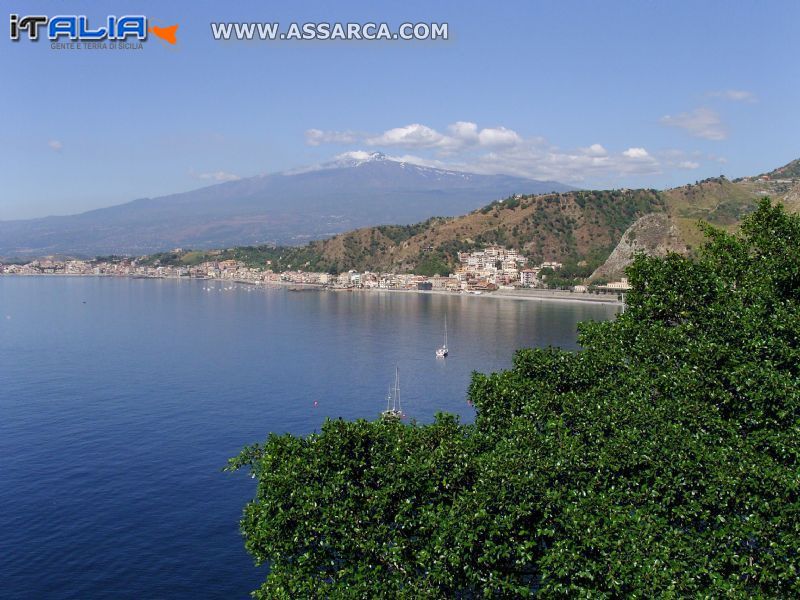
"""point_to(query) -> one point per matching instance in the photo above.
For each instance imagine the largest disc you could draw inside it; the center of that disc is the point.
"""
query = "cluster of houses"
(231, 270)
(486, 270)
(48, 267)
(495, 267)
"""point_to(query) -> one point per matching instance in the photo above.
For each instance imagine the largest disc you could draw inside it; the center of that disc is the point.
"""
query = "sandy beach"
(538, 295)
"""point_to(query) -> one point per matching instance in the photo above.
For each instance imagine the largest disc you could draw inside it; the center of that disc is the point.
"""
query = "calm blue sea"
(121, 400)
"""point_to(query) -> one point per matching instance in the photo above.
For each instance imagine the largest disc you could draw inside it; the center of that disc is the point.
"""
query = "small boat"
(443, 351)
(393, 410)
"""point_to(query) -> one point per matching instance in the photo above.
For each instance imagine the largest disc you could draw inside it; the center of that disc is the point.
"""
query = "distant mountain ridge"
(576, 227)
(356, 190)
(595, 233)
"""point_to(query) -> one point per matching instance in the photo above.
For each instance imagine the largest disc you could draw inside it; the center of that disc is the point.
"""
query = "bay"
(122, 399)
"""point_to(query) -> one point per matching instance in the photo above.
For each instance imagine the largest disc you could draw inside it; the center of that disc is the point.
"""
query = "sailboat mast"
(397, 386)
(445, 330)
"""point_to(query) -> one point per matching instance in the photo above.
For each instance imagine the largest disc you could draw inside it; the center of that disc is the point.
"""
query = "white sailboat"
(443, 351)
(393, 409)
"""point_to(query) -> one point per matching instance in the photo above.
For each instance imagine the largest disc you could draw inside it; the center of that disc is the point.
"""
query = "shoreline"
(541, 295)
(533, 294)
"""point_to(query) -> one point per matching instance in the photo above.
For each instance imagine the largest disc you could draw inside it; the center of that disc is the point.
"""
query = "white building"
(529, 277)
(622, 284)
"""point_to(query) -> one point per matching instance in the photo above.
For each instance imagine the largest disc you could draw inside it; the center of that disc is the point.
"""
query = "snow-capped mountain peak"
(356, 158)
(355, 189)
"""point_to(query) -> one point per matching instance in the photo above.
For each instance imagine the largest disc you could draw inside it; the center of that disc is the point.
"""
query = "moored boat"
(393, 409)
(443, 351)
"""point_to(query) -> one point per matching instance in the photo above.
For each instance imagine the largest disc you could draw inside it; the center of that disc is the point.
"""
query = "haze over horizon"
(589, 95)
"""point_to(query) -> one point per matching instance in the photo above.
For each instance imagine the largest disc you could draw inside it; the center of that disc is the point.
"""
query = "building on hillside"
(529, 277)
(616, 286)
(551, 265)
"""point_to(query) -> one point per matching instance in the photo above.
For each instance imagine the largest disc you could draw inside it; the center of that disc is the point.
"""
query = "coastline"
(541, 295)
(531, 294)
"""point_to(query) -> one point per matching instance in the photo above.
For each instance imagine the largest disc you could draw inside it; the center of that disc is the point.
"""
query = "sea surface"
(122, 399)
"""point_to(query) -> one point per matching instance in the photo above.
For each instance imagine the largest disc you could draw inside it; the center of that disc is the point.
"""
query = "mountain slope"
(583, 229)
(718, 201)
(570, 227)
(573, 227)
(284, 208)
(788, 171)
(654, 234)
(567, 226)
(724, 203)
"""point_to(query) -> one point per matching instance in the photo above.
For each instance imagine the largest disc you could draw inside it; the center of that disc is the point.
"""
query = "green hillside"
(579, 228)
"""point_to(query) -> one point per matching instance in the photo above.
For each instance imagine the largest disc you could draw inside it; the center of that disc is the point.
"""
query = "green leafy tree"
(660, 460)
(433, 264)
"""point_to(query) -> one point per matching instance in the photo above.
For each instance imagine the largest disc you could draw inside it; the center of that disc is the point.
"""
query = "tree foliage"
(660, 460)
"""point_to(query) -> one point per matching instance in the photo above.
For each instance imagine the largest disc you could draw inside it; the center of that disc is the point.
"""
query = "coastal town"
(491, 269)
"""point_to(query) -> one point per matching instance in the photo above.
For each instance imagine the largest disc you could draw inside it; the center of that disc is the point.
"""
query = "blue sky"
(596, 94)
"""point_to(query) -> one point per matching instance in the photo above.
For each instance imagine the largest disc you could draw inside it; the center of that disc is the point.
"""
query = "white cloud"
(636, 153)
(464, 146)
(410, 136)
(545, 162)
(459, 136)
(353, 155)
(595, 150)
(465, 131)
(734, 95)
(55, 145)
(678, 159)
(217, 176)
(688, 164)
(315, 137)
(498, 136)
(701, 123)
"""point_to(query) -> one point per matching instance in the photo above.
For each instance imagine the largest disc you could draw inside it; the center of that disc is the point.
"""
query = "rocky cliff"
(654, 234)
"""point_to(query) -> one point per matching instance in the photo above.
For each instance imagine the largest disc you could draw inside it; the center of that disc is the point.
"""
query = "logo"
(165, 33)
(130, 30)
